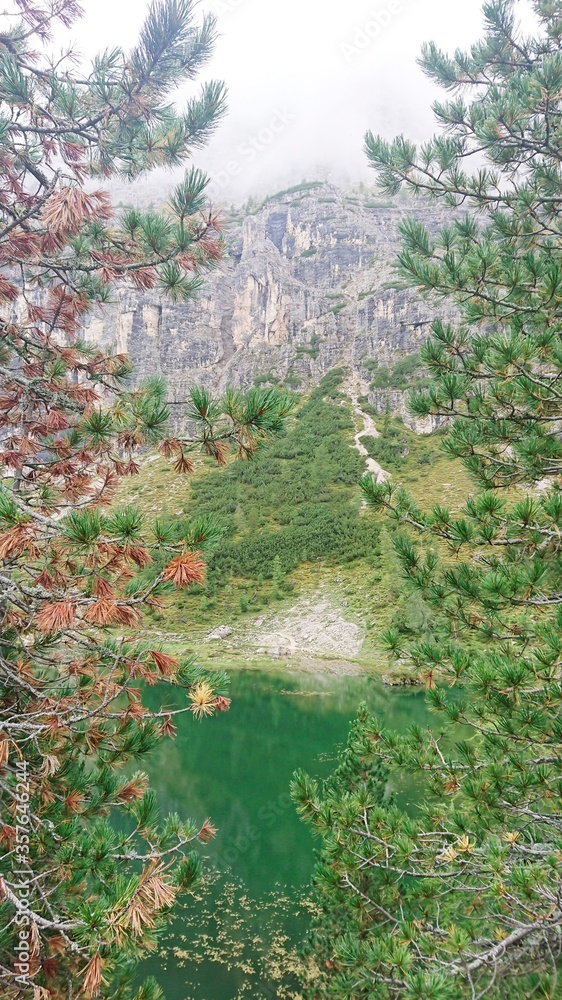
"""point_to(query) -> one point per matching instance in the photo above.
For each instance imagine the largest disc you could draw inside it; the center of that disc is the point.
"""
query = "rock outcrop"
(308, 285)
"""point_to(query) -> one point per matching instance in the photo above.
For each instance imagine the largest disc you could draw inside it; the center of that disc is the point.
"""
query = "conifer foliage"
(466, 895)
(88, 871)
(344, 890)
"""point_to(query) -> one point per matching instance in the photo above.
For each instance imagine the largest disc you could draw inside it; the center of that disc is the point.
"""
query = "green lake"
(229, 941)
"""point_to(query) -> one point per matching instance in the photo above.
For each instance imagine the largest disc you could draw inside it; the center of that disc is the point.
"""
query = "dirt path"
(369, 428)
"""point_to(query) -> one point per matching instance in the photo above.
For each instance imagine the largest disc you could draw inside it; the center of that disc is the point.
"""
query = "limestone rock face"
(308, 285)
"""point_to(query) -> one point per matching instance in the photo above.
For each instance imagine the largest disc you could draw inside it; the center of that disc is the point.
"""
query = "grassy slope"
(299, 501)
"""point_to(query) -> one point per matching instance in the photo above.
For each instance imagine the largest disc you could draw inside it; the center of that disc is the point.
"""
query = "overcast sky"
(306, 78)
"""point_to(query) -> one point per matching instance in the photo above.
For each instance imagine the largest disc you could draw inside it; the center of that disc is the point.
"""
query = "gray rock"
(222, 632)
(276, 307)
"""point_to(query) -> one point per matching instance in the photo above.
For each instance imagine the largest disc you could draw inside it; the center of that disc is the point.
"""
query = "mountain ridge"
(308, 284)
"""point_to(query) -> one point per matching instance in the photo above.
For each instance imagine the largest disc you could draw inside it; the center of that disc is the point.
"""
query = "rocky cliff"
(308, 285)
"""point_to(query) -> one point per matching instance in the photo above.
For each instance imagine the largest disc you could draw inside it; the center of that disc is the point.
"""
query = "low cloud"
(306, 79)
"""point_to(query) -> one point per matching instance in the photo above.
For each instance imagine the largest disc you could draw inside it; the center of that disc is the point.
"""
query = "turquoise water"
(236, 768)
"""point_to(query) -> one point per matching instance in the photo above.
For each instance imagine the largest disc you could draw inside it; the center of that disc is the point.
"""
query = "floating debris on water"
(222, 925)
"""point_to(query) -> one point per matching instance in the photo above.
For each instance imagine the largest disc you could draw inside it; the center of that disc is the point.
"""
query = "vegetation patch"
(304, 187)
(405, 374)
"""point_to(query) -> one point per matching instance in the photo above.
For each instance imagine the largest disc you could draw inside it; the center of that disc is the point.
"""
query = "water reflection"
(237, 768)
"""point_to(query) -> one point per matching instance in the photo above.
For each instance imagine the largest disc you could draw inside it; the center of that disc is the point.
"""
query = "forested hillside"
(290, 524)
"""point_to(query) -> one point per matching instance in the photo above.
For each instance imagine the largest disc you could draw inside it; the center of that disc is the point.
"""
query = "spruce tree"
(358, 783)
(278, 578)
(88, 871)
(467, 898)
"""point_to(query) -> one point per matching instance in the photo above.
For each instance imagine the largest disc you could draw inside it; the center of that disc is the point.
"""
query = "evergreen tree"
(356, 785)
(471, 885)
(89, 874)
(278, 578)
